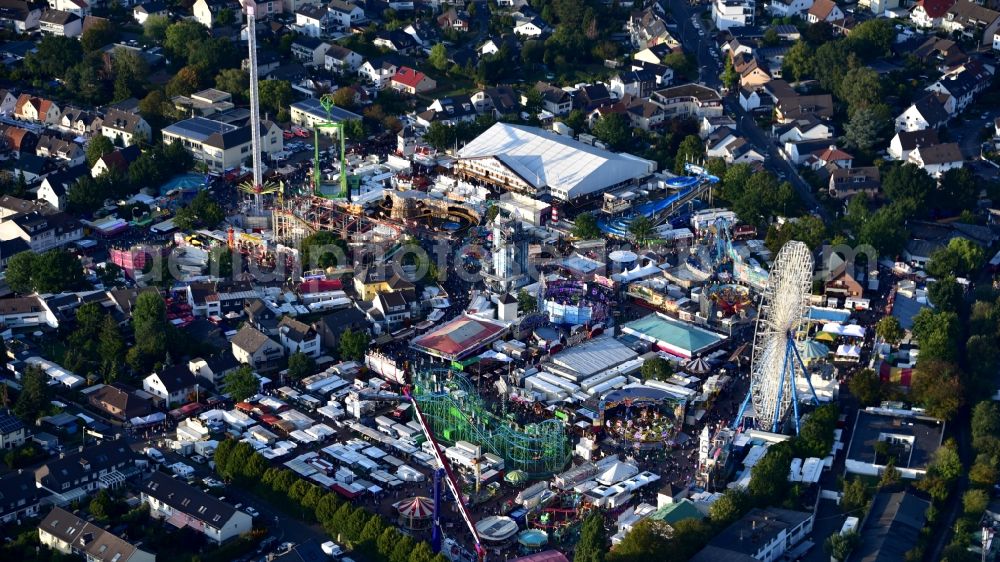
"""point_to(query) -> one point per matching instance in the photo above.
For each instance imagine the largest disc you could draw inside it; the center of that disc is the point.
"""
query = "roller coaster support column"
(436, 530)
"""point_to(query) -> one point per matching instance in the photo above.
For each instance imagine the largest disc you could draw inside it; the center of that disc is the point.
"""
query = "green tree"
(53, 56)
(985, 427)
(241, 383)
(960, 257)
(885, 230)
(322, 250)
(908, 183)
(202, 211)
(110, 346)
(33, 399)
(585, 227)
(799, 62)
(327, 507)
(890, 330)
(937, 333)
(690, 151)
(946, 294)
(861, 88)
(593, 543)
(937, 387)
(98, 146)
(974, 503)
(866, 386)
(873, 38)
(149, 322)
(816, 434)
(730, 78)
(153, 107)
(155, 28)
(959, 191)
(439, 57)
(236, 81)
(641, 229)
(613, 129)
(102, 506)
(20, 268)
(769, 477)
(401, 552)
(854, 497)
(421, 553)
(386, 542)
(99, 35)
(300, 366)
(984, 472)
(647, 537)
(890, 474)
(353, 345)
(808, 229)
(864, 129)
(184, 83)
(275, 95)
(730, 506)
(839, 546)
(182, 37)
(656, 368)
(526, 303)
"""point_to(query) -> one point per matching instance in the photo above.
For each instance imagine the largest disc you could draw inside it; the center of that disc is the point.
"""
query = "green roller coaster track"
(456, 412)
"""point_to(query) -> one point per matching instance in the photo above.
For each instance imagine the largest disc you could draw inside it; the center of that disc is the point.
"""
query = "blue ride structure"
(687, 188)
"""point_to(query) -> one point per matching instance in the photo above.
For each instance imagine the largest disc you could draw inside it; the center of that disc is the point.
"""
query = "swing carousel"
(642, 417)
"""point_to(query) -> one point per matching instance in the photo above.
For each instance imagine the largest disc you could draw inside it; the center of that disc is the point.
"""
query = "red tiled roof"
(832, 154)
(408, 76)
(936, 8)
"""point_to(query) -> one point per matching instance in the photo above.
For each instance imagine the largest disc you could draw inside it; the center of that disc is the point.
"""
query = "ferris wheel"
(775, 360)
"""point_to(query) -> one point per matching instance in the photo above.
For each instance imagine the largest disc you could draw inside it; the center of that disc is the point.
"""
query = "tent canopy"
(698, 366)
(417, 507)
(812, 349)
(848, 351)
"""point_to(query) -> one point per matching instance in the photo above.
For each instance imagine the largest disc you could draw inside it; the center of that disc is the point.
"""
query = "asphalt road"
(709, 71)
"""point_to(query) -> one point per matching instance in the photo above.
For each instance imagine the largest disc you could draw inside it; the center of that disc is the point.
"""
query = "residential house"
(926, 113)
(19, 16)
(28, 166)
(878, 7)
(794, 108)
(53, 147)
(19, 497)
(17, 139)
(905, 141)
(841, 283)
(941, 53)
(341, 60)
(424, 33)
(331, 326)
(69, 534)
(292, 6)
(830, 157)
(221, 145)
(972, 21)
(788, 8)
(8, 101)
(752, 71)
(141, 12)
(727, 14)
(254, 348)
(755, 100)
(452, 19)
(642, 114)
(378, 72)
(709, 125)
(809, 128)
(119, 403)
(118, 160)
(36, 110)
(263, 9)
(173, 385)
(183, 504)
(411, 81)
(218, 299)
(930, 13)
(261, 316)
(214, 368)
(733, 149)
(79, 8)
(593, 96)
(530, 27)
(653, 54)
(26, 312)
(392, 310)
(936, 159)
(395, 40)
(663, 76)
(313, 20)
(206, 12)
(762, 534)
(309, 50)
(450, 111)
(801, 151)
(692, 100)
(370, 280)
(298, 337)
(501, 100)
(345, 15)
(60, 23)
(125, 128)
(204, 103)
(80, 472)
(848, 182)
(824, 10)
(554, 100)
(647, 28)
(12, 432)
(80, 122)
(717, 140)
(42, 232)
(962, 84)
(56, 186)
